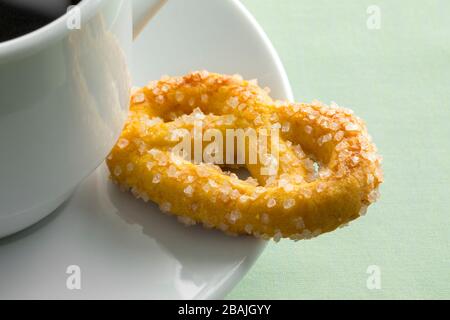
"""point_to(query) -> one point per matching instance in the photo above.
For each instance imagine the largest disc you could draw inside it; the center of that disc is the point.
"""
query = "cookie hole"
(316, 167)
(241, 172)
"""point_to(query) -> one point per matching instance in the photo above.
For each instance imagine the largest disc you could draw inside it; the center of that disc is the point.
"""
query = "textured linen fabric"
(397, 78)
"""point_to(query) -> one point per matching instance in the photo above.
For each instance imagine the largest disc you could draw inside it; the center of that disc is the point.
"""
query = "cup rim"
(42, 36)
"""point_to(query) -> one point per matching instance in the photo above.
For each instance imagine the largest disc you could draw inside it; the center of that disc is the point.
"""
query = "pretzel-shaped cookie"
(327, 171)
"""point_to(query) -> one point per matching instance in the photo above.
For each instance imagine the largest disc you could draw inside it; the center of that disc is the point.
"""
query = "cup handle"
(143, 12)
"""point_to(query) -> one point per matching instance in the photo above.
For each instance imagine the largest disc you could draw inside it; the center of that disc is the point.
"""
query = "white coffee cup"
(64, 95)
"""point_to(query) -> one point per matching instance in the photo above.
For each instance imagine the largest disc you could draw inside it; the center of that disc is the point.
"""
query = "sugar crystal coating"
(122, 143)
(271, 203)
(117, 171)
(288, 203)
(325, 157)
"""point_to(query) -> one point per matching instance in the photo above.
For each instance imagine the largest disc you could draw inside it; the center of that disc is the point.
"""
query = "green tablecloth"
(397, 78)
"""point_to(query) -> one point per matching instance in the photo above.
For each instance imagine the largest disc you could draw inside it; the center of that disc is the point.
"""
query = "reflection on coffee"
(19, 17)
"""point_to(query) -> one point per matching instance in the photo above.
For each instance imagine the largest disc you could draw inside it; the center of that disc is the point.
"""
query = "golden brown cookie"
(326, 171)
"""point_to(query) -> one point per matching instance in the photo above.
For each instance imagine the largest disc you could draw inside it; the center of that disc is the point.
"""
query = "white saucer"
(124, 247)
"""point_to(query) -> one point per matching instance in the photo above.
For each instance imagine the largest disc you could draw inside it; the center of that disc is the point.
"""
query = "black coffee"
(19, 17)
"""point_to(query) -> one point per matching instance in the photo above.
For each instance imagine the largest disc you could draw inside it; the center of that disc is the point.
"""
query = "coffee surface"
(19, 17)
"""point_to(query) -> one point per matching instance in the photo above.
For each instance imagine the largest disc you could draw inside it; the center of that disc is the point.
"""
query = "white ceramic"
(127, 248)
(63, 100)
